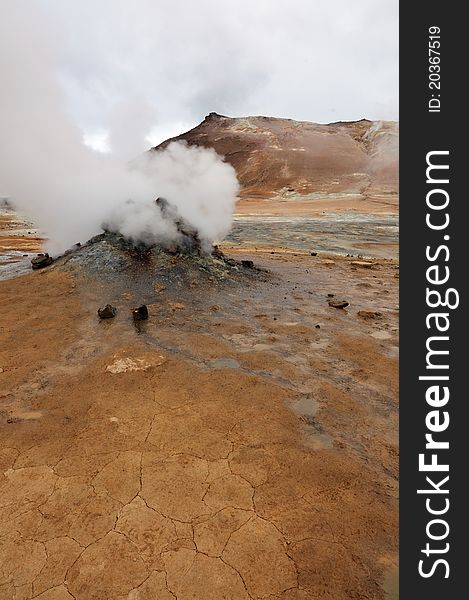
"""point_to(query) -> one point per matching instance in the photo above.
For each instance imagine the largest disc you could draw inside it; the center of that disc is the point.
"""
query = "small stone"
(41, 261)
(318, 326)
(140, 313)
(338, 303)
(330, 295)
(313, 253)
(107, 312)
(248, 264)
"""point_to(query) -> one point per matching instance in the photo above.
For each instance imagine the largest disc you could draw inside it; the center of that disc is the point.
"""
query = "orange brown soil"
(307, 208)
(230, 448)
(20, 244)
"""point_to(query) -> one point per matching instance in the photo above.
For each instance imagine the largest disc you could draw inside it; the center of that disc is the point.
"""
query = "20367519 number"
(434, 68)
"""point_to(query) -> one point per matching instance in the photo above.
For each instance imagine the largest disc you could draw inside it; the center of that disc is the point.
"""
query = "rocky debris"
(364, 264)
(338, 303)
(41, 260)
(140, 313)
(248, 264)
(313, 253)
(369, 314)
(107, 312)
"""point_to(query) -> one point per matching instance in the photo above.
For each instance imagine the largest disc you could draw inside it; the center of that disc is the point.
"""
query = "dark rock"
(107, 312)
(140, 313)
(369, 314)
(318, 326)
(313, 253)
(248, 264)
(330, 295)
(41, 261)
(217, 253)
(76, 246)
(212, 116)
(338, 303)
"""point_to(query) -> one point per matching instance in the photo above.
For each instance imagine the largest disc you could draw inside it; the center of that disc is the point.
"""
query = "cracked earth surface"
(248, 454)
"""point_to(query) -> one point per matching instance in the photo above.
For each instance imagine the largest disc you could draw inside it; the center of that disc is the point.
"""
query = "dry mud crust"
(228, 449)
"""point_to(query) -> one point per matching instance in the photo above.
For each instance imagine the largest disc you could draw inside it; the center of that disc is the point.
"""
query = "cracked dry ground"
(252, 455)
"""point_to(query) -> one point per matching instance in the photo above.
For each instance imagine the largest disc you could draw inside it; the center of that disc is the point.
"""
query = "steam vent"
(121, 265)
(177, 266)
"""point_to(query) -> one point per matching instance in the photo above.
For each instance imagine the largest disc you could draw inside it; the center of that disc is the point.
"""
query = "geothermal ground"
(240, 444)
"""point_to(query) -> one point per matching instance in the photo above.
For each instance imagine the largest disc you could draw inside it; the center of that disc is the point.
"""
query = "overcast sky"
(170, 62)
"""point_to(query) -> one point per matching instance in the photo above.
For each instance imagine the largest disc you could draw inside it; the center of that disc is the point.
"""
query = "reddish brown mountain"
(343, 164)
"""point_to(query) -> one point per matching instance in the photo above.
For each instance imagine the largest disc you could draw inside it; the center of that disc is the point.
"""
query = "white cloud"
(302, 59)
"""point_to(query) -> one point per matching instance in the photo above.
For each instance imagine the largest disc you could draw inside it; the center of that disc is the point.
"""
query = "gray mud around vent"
(123, 267)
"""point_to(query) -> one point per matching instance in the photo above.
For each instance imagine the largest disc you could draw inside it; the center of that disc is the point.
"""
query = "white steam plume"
(69, 190)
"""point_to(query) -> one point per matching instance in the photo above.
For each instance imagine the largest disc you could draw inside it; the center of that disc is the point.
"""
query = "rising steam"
(70, 191)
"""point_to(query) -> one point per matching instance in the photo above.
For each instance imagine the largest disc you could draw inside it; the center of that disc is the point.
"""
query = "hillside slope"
(337, 165)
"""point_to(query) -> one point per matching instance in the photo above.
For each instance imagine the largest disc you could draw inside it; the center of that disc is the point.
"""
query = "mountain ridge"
(284, 160)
